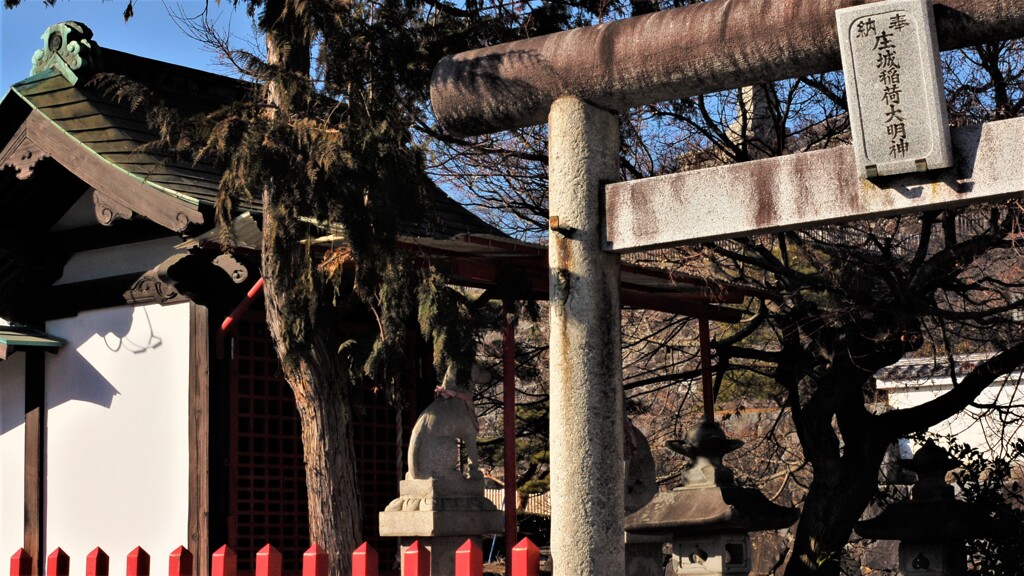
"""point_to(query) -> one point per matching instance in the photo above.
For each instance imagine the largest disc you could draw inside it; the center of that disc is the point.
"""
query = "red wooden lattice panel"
(379, 455)
(267, 502)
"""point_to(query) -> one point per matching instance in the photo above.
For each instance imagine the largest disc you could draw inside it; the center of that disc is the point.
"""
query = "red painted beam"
(508, 377)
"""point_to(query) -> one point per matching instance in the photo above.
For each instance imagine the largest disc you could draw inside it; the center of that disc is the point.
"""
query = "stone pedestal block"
(428, 508)
(645, 554)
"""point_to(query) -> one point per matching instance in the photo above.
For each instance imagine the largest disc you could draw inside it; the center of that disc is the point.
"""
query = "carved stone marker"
(894, 87)
(441, 502)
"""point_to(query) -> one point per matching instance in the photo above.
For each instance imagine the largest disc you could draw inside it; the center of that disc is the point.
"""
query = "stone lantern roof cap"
(709, 502)
(710, 510)
(932, 514)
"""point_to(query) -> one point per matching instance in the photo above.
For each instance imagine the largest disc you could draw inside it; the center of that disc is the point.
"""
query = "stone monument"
(441, 502)
(894, 87)
(644, 552)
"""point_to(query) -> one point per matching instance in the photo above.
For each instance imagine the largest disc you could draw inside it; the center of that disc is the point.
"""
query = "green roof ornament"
(67, 48)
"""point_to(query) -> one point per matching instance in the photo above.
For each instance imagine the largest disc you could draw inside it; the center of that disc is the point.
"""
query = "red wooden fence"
(97, 563)
(224, 562)
(138, 562)
(58, 563)
(364, 561)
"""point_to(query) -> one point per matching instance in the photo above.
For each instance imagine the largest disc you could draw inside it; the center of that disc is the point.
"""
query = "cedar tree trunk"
(302, 323)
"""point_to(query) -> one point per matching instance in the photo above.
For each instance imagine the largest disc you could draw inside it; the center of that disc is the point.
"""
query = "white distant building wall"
(987, 430)
(117, 434)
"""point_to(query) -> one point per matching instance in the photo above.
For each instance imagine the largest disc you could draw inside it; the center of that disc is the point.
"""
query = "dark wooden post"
(35, 424)
(199, 436)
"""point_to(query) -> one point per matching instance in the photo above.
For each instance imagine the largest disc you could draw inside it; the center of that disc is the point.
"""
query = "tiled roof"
(92, 140)
(113, 132)
(928, 368)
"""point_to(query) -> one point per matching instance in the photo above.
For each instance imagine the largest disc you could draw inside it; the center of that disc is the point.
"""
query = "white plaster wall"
(983, 429)
(117, 434)
(117, 260)
(12, 454)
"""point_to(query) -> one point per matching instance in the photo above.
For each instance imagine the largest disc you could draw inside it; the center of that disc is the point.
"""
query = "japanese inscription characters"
(894, 87)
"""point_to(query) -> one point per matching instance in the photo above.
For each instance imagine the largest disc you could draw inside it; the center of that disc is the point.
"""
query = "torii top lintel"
(676, 53)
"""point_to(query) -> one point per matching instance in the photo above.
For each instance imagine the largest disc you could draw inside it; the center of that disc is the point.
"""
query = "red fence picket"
(224, 562)
(525, 559)
(268, 561)
(58, 563)
(416, 560)
(138, 562)
(315, 562)
(469, 559)
(21, 563)
(180, 563)
(97, 563)
(364, 560)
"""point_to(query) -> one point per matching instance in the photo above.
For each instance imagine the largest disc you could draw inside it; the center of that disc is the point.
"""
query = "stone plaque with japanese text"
(894, 87)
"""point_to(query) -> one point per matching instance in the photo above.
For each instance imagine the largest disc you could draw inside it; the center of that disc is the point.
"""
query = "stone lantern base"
(725, 554)
(442, 516)
(932, 559)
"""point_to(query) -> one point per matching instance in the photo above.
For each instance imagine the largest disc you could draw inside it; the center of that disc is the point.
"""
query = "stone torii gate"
(577, 81)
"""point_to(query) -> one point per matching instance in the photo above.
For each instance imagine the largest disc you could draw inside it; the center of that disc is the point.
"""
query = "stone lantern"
(441, 502)
(932, 525)
(709, 517)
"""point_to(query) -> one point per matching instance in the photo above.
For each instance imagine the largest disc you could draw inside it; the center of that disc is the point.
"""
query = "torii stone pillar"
(586, 347)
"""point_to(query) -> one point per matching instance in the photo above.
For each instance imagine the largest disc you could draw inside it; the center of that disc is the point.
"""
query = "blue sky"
(152, 32)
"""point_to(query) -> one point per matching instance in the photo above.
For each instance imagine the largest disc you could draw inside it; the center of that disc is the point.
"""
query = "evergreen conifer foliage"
(336, 149)
(325, 145)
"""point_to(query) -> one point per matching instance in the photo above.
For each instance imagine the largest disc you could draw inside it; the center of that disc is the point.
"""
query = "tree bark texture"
(322, 395)
(845, 443)
(302, 322)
